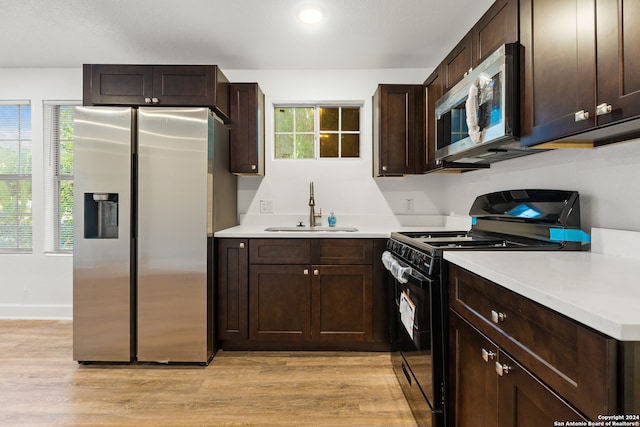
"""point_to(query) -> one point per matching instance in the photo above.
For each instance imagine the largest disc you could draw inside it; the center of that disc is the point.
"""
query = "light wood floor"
(40, 385)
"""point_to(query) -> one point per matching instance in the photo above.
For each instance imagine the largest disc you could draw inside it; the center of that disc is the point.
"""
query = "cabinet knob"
(242, 245)
(155, 100)
(487, 355)
(502, 369)
(147, 100)
(384, 168)
(603, 109)
(581, 115)
(497, 317)
(253, 167)
(305, 271)
(316, 272)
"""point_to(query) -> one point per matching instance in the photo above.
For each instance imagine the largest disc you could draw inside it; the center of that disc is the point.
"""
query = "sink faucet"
(312, 212)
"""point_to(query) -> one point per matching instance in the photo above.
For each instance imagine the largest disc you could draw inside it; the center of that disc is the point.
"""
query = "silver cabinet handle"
(316, 272)
(581, 115)
(487, 355)
(603, 109)
(497, 317)
(147, 100)
(155, 100)
(253, 167)
(305, 271)
(502, 369)
(384, 168)
(242, 245)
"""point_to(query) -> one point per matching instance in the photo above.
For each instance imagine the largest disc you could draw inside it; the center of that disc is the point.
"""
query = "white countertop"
(368, 226)
(599, 290)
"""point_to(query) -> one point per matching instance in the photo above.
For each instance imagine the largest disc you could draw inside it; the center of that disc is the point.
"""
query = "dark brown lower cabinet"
(279, 303)
(342, 303)
(302, 294)
(489, 388)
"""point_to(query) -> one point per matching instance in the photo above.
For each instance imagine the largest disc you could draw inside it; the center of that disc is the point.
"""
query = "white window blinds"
(15, 177)
(58, 141)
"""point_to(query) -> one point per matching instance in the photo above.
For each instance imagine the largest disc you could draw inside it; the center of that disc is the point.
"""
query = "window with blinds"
(15, 177)
(58, 141)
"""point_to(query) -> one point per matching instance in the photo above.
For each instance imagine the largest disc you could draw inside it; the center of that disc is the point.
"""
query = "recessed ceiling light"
(310, 15)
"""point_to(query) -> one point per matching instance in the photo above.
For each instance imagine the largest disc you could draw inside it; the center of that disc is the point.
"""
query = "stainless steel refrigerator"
(151, 186)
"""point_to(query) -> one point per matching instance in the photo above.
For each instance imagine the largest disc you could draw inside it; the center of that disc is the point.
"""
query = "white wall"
(37, 285)
(345, 186)
(608, 179)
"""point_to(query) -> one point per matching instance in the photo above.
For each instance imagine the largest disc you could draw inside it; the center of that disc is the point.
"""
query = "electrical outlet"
(408, 205)
(266, 206)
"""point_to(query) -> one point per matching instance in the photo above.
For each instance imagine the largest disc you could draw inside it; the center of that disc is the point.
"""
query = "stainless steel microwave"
(477, 120)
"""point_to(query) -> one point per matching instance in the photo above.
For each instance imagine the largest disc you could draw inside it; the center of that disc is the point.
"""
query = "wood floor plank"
(40, 385)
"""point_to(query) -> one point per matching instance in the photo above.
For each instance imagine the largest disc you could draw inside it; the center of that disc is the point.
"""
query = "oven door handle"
(402, 272)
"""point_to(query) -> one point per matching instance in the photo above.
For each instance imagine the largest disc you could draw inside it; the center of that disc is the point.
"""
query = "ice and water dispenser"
(100, 215)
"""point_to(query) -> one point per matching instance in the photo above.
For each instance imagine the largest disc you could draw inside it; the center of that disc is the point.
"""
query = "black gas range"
(529, 219)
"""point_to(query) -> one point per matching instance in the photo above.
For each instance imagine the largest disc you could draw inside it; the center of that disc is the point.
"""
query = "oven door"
(416, 335)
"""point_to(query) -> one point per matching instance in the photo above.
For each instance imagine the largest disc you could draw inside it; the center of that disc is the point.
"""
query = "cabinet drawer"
(280, 251)
(343, 251)
(575, 361)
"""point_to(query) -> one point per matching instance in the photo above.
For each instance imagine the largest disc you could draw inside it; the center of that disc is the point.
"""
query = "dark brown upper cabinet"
(617, 38)
(498, 26)
(580, 74)
(156, 85)
(559, 68)
(398, 130)
(457, 63)
(246, 102)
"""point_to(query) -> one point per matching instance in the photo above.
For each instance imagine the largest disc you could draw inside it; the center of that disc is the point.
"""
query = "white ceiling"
(234, 34)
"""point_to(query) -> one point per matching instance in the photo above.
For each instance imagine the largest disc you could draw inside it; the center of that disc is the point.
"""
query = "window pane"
(15, 214)
(25, 121)
(351, 119)
(9, 157)
(329, 145)
(305, 119)
(304, 146)
(284, 146)
(283, 119)
(350, 145)
(66, 215)
(329, 118)
(8, 122)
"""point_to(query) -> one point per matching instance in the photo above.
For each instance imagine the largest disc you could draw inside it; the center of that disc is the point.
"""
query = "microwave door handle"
(471, 109)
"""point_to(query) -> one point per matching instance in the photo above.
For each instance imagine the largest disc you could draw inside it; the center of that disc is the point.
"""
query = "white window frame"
(316, 126)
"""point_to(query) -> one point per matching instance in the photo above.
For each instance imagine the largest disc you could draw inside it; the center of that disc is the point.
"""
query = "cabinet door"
(498, 26)
(618, 36)
(457, 63)
(342, 303)
(280, 251)
(233, 289)
(280, 303)
(399, 130)
(247, 129)
(342, 251)
(434, 91)
(473, 383)
(117, 84)
(523, 401)
(559, 68)
(184, 85)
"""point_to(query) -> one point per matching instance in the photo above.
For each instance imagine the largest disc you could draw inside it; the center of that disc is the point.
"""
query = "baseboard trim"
(36, 311)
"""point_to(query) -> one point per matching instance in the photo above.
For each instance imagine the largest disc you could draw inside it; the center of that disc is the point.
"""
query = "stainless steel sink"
(311, 229)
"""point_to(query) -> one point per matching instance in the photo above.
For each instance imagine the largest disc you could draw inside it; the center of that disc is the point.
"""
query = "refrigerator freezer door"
(102, 328)
(172, 235)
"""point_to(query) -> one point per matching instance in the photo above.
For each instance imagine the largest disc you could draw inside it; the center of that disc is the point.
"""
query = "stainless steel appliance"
(505, 220)
(152, 185)
(477, 120)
